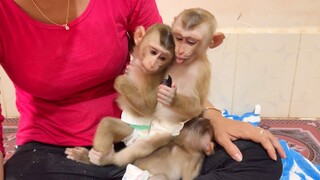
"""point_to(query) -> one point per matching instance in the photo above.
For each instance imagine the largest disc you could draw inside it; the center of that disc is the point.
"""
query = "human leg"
(39, 161)
(256, 164)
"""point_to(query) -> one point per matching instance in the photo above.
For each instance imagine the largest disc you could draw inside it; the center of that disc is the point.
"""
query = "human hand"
(227, 130)
(129, 67)
(166, 94)
(99, 158)
(134, 70)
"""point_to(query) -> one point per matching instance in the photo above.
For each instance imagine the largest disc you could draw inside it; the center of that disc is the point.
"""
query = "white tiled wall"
(250, 13)
(306, 87)
(278, 70)
(265, 72)
(7, 96)
(271, 54)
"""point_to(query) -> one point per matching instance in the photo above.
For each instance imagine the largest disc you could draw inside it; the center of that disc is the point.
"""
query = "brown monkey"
(152, 54)
(194, 32)
(183, 157)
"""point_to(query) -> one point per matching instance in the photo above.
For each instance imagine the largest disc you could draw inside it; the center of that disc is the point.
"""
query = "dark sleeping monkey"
(183, 157)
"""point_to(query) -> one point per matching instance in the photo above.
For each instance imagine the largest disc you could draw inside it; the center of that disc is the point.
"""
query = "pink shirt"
(64, 79)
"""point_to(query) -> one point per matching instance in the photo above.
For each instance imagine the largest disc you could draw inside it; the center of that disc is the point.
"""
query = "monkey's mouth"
(180, 60)
(149, 70)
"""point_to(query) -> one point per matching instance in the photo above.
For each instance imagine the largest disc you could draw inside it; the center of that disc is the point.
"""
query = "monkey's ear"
(138, 34)
(217, 39)
(208, 149)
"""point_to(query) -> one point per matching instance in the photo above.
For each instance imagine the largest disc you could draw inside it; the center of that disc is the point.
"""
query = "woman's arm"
(2, 153)
(227, 130)
(1, 168)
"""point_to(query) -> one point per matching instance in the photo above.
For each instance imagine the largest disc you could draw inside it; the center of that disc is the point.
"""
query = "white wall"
(7, 96)
(271, 56)
(277, 70)
(250, 13)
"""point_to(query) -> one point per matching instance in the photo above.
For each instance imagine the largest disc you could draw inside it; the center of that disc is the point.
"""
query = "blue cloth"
(295, 166)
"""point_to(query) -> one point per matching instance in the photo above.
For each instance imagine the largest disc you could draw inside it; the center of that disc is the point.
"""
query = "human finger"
(277, 145)
(267, 144)
(270, 143)
(230, 148)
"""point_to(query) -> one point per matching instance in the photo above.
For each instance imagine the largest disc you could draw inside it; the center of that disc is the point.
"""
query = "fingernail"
(237, 157)
(275, 158)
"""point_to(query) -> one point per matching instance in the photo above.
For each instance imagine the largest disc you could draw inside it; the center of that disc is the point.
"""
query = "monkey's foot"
(101, 158)
(78, 154)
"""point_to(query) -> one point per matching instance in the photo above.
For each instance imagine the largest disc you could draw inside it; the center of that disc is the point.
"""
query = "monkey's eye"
(178, 38)
(153, 52)
(192, 42)
(162, 58)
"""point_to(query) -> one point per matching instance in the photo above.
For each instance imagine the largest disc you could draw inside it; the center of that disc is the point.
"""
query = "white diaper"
(140, 125)
(135, 173)
(165, 127)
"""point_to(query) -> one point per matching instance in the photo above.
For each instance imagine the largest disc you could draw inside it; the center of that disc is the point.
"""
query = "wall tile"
(7, 96)
(264, 73)
(251, 68)
(223, 59)
(306, 91)
(250, 13)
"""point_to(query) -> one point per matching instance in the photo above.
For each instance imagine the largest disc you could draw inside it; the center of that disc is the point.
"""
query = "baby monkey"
(152, 54)
(194, 33)
(183, 157)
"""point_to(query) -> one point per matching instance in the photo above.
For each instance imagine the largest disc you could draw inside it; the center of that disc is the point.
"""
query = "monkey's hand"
(129, 67)
(101, 159)
(134, 69)
(123, 84)
(118, 81)
(166, 94)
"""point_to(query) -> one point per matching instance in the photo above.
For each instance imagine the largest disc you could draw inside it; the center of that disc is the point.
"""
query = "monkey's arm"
(141, 148)
(184, 102)
(191, 171)
(141, 101)
(188, 106)
(189, 100)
